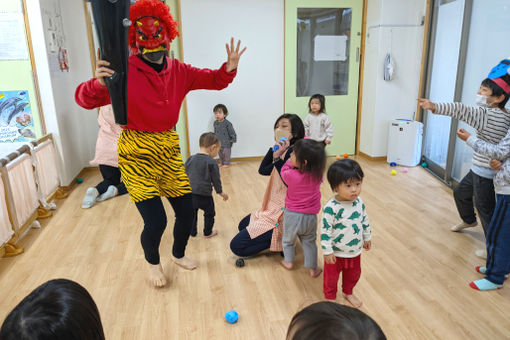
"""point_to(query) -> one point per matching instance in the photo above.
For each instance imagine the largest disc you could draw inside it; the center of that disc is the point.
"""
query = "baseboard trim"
(80, 174)
(247, 159)
(376, 159)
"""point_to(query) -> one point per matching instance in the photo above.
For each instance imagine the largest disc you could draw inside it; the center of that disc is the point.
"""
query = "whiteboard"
(255, 98)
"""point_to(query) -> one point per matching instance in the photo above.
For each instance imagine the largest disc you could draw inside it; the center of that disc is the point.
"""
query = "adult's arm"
(207, 79)
(91, 94)
(267, 164)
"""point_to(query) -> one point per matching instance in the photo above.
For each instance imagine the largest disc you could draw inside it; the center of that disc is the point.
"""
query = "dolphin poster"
(16, 120)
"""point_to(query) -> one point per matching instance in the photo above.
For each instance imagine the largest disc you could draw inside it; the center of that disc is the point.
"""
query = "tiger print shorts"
(151, 164)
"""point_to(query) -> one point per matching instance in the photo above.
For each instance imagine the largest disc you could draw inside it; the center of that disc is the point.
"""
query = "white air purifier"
(404, 142)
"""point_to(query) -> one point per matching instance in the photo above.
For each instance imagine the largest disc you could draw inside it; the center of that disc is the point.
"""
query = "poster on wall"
(16, 120)
(13, 45)
(55, 37)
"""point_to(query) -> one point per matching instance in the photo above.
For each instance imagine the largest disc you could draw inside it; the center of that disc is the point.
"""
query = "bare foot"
(225, 166)
(156, 276)
(185, 262)
(287, 265)
(315, 272)
(214, 233)
(353, 300)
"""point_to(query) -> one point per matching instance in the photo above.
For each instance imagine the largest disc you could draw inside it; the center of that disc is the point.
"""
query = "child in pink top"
(303, 176)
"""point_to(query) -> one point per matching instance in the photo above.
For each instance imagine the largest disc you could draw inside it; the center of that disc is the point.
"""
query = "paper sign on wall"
(13, 45)
(330, 48)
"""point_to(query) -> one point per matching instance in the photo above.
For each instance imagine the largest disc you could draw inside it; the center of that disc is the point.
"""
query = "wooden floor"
(414, 281)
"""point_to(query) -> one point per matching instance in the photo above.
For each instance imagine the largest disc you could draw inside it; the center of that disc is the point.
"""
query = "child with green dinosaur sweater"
(344, 230)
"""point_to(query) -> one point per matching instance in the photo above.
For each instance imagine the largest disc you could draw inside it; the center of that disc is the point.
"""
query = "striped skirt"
(151, 164)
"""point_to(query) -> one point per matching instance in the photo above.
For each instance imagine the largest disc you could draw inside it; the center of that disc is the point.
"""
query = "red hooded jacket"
(154, 99)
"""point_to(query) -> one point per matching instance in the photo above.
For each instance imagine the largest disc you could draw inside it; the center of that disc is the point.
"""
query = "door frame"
(445, 175)
(360, 70)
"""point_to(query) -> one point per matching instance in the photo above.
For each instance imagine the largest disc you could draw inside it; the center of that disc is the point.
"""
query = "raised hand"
(233, 55)
(426, 104)
(102, 70)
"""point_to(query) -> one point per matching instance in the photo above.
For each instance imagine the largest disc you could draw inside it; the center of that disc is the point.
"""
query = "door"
(443, 83)
(322, 55)
(466, 43)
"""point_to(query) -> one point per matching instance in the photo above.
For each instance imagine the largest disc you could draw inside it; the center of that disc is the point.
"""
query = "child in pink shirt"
(303, 176)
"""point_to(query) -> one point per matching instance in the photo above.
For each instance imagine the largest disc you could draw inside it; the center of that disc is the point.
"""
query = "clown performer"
(149, 155)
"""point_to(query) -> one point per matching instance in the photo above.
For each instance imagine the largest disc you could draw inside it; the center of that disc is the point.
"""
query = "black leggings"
(154, 218)
(243, 245)
(111, 176)
(482, 189)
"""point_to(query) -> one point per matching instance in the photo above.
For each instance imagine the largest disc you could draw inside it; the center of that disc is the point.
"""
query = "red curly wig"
(152, 8)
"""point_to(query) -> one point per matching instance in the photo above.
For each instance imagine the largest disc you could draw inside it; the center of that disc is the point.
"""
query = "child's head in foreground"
(58, 309)
(332, 321)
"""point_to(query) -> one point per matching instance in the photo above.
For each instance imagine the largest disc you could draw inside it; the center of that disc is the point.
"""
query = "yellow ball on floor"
(393, 172)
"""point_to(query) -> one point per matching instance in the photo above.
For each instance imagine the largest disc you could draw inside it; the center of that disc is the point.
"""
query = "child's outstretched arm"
(499, 151)
(473, 116)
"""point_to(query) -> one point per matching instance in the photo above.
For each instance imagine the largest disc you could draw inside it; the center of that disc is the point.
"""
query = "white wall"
(383, 100)
(255, 98)
(74, 128)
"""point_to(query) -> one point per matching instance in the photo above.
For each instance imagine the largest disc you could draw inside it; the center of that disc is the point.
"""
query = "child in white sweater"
(317, 124)
(344, 230)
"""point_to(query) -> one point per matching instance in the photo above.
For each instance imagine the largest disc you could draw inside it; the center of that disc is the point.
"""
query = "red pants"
(351, 271)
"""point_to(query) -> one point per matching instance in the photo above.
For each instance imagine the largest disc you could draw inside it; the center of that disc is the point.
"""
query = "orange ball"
(346, 155)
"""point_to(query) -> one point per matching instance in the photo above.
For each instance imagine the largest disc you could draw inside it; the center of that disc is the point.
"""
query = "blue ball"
(393, 164)
(231, 316)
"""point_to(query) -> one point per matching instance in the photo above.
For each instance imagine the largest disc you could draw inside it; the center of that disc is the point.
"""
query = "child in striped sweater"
(345, 229)
(491, 122)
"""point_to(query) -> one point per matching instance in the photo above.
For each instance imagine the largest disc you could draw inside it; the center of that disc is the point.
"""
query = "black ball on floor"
(240, 263)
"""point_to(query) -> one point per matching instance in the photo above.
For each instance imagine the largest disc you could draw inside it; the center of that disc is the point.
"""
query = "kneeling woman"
(262, 229)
